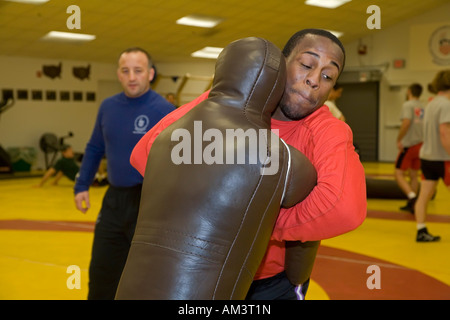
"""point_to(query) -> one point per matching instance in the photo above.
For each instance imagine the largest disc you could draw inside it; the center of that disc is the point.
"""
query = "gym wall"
(24, 123)
(401, 41)
(59, 103)
(56, 105)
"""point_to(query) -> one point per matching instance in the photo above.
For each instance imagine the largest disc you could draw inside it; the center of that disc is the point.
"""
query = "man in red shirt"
(314, 58)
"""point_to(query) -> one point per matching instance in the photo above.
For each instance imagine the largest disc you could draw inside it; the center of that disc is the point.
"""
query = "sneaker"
(424, 236)
(409, 205)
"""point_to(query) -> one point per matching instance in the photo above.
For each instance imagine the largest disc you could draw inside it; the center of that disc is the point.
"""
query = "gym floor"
(45, 240)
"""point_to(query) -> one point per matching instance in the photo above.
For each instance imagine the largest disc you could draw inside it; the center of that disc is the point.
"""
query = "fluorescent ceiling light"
(207, 52)
(68, 36)
(330, 4)
(195, 20)
(336, 33)
(29, 1)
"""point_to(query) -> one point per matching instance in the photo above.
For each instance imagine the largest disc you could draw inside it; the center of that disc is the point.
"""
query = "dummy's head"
(250, 75)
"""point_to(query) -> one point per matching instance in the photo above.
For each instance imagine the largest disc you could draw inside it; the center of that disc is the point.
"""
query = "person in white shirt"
(435, 151)
(335, 94)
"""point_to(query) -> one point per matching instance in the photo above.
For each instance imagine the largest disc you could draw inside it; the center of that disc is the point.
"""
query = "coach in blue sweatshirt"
(121, 122)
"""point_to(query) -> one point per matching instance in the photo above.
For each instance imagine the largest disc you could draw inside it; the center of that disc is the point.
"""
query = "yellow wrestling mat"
(43, 235)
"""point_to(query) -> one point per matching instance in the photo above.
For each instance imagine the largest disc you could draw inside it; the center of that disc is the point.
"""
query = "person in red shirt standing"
(315, 58)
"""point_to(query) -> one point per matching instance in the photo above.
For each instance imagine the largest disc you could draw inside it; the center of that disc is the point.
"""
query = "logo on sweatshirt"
(141, 124)
(418, 112)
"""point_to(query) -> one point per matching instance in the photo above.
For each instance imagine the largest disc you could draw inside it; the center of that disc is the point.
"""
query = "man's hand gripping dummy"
(213, 186)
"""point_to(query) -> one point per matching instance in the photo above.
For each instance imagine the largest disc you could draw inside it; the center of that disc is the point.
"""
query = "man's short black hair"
(295, 39)
(416, 90)
(138, 49)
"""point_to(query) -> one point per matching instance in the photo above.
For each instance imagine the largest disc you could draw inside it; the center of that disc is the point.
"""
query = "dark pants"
(114, 231)
(277, 287)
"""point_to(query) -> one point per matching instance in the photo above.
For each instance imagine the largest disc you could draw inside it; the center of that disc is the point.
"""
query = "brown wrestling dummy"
(206, 215)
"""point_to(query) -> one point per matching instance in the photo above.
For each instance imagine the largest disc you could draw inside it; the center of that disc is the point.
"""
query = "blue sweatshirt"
(121, 122)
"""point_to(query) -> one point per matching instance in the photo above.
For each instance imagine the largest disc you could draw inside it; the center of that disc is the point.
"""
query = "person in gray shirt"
(409, 141)
(435, 151)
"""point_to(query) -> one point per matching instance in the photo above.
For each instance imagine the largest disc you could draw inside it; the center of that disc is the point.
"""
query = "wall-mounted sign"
(52, 71)
(81, 72)
(439, 45)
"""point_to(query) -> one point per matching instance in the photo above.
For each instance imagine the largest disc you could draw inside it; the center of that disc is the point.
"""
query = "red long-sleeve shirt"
(336, 205)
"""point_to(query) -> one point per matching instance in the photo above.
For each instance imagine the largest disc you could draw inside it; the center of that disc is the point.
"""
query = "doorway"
(360, 105)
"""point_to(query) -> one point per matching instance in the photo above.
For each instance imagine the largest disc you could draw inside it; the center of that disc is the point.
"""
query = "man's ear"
(151, 74)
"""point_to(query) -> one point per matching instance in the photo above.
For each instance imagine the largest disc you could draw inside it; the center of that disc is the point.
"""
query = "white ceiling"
(119, 24)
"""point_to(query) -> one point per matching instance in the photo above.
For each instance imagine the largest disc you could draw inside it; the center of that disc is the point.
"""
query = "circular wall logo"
(439, 45)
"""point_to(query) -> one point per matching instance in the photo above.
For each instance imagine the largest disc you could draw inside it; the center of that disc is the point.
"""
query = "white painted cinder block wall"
(27, 120)
(407, 40)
